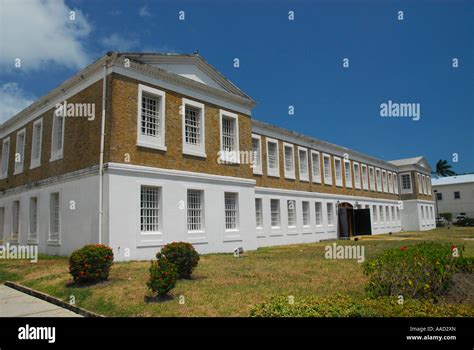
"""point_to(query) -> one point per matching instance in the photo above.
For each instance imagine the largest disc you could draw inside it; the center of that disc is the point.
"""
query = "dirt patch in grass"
(462, 292)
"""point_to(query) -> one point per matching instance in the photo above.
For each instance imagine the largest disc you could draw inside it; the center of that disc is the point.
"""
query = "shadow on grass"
(157, 298)
(85, 284)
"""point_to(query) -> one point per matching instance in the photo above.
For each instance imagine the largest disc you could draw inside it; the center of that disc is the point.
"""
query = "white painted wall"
(456, 206)
(123, 211)
(78, 226)
(412, 217)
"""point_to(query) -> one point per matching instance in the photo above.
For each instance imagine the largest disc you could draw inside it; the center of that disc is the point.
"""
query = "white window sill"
(257, 172)
(56, 157)
(195, 153)
(304, 179)
(16, 172)
(317, 181)
(35, 165)
(196, 231)
(32, 242)
(151, 145)
(232, 230)
(53, 243)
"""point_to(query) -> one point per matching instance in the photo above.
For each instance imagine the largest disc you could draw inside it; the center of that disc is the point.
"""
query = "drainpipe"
(101, 161)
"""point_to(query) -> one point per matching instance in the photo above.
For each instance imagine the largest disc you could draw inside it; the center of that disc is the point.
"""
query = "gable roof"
(451, 180)
(407, 161)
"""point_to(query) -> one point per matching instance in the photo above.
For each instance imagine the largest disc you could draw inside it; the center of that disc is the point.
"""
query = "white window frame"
(357, 175)
(402, 189)
(384, 181)
(278, 213)
(237, 214)
(190, 149)
(365, 179)
(200, 210)
(318, 205)
(289, 174)
(330, 210)
(316, 176)
(18, 169)
(4, 173)
(328, 178)
(259, 213)
(348, 181)
(378, 179)
(16, 221)
(390, 181)
(423, 182)
(257, 161)
(291, 208)
(57, 154)
(270, 171)
(36, 162)
(420, 186)
(372, 180)
(306, 213)
(159, 208)
(304, 176)
(155, 142)
(339, 182)
(428, 184)
(234, 156)
(52, 241)
(382, 218)
(375, 214)
(33, 236)
(395, 183)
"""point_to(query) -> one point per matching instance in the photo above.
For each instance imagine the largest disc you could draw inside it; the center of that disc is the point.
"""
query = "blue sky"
(282, 62)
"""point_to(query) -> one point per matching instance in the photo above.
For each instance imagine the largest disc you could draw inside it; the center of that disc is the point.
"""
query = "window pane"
(149, 209)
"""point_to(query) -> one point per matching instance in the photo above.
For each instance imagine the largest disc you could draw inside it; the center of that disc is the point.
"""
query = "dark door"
(362, 224)
(345, 217)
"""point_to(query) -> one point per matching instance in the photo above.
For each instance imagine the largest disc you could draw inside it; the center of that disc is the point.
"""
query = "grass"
(223, 285)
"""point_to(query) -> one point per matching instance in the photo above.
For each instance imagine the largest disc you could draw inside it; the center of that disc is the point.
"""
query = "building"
(172, 153)
(455, 195)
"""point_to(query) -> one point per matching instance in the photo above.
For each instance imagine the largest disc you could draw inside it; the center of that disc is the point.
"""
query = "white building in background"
(455, 195)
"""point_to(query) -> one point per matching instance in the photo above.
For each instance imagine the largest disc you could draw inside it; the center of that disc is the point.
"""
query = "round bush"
(91, 263)
(163, 275)
(183, 255)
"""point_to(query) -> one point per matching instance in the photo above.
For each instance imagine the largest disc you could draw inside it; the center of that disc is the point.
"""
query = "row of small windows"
(380, 213)
(33, 221)
(361, 175)
(456, 195)
(150, 210)
(427, 212)
(57, 142)
(423, 183)
(151, 125)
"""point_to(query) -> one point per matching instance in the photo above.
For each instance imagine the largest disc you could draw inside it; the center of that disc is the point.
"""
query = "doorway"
(352, 222)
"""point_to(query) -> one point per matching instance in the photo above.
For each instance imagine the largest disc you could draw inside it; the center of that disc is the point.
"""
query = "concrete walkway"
(14, 303)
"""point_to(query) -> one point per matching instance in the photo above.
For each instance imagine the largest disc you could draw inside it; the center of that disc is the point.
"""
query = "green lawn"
(223, 285)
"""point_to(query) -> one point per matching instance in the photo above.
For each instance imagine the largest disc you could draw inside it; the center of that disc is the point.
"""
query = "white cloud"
(12, 100)
(144, 12)
(118, 43)
(41, 32)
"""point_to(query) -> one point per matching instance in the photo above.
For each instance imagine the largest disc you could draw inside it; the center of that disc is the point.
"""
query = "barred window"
(15, 221)
(275, 212)
(381, 216)
(316, 170)
(330, 209)
(379, 180)
(327, 170)
(319, 213)
(338, 171)
(347, 173)
(365, 184)
(406, 182)
(291, 213)
(36, 143)
(272, 156)
(5, 156)
(20, 151)
(303, 160)
(393, 213)
(356, 175)
(58, 123)
(149, 209)
(54, 221)
(228, 134)
(387, 214)
(374, 213)
(192, 125)
(259, 212)
(33, 232)
(289, 161)
(306, 213)
(372, 179)
(384, 176)
(390, 183)
(257, 161)
(195, 213)
(395, 183)
(231, 211)
(150, 118)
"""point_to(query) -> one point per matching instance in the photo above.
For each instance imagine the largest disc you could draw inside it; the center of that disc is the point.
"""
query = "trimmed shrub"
(91, 263)
(183, 255)
(422, 271)
(344, 306)
(163, 275)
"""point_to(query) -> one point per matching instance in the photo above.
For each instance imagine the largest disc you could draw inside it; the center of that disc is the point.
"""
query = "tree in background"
(443, 169)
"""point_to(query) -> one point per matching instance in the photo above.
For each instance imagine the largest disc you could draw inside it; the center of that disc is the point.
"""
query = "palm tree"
(443, 169)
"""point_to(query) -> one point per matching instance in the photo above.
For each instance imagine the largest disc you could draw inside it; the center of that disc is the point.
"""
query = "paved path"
(14, 303)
